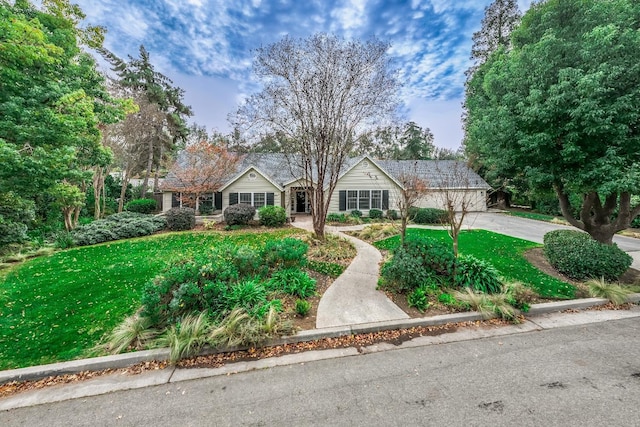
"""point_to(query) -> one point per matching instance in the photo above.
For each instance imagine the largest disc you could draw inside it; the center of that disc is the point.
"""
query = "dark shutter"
(217, 201)
(385, 200)
(233, 199)
(342, 201)
(269, 199)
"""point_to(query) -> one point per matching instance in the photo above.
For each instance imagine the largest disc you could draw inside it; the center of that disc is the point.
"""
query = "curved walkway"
(352, 298)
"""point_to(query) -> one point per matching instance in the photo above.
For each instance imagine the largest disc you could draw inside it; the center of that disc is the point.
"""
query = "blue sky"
(206, 46)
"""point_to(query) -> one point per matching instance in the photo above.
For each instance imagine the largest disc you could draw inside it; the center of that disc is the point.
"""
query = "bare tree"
(322, 94)
(201, 168)
(413, 189)
(457, 194)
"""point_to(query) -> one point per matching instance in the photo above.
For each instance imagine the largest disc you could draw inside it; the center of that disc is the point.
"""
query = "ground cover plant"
(57, 307)
(504, 253)
(118, 226)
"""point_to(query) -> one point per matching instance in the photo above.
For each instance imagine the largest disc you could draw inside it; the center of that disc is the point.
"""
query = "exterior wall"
(365, 176)
(245, 184)
(436, 199)
(166, 200)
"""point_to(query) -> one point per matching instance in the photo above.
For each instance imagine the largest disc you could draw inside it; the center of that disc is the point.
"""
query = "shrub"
(145, 206)
(209, 224)
(250, 295)
(418, 299)
(419, 261)
(356, 213)
(392, 214)
(427, 215)
(447, 299)
(477, 275)
(375, 214)
(578, 256)
(336, 217)
(303, 307)
(63, 239)
(327, 268)
(272, 216)
(293, 281)
(180, 219)
(239, 214)
(288, 252)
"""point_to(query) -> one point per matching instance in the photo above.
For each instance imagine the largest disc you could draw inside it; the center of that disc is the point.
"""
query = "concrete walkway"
(352, 298)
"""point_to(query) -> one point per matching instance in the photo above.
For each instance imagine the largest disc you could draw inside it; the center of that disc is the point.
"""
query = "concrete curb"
(130, 359)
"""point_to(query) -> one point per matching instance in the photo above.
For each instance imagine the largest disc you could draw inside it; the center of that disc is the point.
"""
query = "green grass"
(503, 252)
(58, 307)
(533, 215)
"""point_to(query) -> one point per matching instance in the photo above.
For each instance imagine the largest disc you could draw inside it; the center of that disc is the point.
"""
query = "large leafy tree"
(322, 94)
(562, 107)
(52, 99)
(139, 77)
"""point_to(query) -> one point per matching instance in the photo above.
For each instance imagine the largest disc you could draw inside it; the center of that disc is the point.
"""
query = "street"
(578, 375)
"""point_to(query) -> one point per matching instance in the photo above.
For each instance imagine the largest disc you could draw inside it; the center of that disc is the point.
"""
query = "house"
(364, 184)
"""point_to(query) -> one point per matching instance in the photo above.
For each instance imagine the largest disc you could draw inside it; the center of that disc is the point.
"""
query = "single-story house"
(364, 183)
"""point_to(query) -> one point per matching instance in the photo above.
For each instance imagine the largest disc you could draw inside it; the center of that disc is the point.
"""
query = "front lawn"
(56, 308)
(503, 252)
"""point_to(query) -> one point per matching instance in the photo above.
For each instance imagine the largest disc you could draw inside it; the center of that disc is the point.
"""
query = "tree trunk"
(123, 191)
(318, 212)
(147, 172)
(98, 188)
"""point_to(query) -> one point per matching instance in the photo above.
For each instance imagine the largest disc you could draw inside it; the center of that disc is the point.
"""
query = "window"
(376, 199)
(352, 200)
(252, 176)
(258, 200)
(363, 200)
(245, 198)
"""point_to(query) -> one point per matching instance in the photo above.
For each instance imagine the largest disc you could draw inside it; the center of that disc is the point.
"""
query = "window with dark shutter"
(217, 200)
(233, 198)
(385, 199)
(270, 199)
(342, 201)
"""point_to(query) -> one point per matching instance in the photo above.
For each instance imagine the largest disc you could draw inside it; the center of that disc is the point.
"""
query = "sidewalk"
(353, 298)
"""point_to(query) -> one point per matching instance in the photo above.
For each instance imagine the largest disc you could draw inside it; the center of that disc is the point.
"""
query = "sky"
(207, 46)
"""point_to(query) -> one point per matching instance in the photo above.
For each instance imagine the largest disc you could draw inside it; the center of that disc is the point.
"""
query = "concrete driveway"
(534, 231)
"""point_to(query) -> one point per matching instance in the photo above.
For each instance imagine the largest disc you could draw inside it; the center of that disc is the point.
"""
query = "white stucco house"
(363, 184)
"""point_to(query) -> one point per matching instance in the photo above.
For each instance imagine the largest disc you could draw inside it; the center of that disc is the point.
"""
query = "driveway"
(533, 230)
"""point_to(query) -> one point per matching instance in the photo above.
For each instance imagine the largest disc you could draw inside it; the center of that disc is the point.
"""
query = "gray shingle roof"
(436, 173)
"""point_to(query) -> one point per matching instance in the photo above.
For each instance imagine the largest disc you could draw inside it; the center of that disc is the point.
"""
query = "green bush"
(392, 214)
(418, 299)
(250, 295)
(427, 215)
(356, 213)
(303, 307)
(145, 206)
(477, 275)
(420, 261)
(180, 219)
(293, 281)
(15, 214)
(239, 214)
(336, 217)
(63, 240)
(447, 299)
(272, 216)
(123, 225)
(328, 268)
(578, 256)
(375, 214)
(285, 253)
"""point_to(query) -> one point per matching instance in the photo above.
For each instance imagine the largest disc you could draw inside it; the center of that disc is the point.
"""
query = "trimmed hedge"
(145, 206)
(239, 214)
(123, 225)
(578, 256)
(427, 215)
(180, 219)
(272, 216)
(375, 214)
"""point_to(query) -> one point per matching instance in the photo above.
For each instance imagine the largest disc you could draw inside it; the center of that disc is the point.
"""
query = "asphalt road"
(585, 375)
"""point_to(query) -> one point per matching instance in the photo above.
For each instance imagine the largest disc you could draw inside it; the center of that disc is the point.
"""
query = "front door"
(301, 201)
